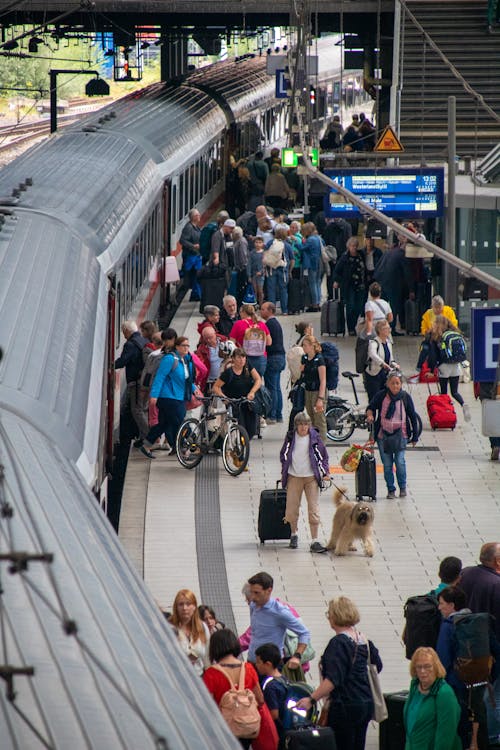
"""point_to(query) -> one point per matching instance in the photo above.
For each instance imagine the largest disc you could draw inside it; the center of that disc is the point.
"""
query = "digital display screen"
(402, 193)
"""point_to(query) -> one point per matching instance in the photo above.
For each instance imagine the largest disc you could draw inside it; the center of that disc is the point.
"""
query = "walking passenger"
(349, 274)
(277, 261)
(380, 359)
(376, 308)
(257, 269)
(314, 374)
(395, 425)
(304, 466)
(437, 308)
(311, 263)
(239, 380)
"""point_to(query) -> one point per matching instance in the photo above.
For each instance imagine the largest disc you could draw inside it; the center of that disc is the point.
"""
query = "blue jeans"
(493, 714)
(277, 287)
(260, 364)
(388, 460)
(275, 366)
(314, 280)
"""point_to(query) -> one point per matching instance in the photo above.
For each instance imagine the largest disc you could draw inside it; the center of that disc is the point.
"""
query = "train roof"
(107, 668)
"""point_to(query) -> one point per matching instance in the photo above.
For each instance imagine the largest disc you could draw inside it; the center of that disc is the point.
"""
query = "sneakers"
(495, 453)
(466, 411)
(271, 421)
(294, 541)
(146, 452)
(138, 443)
(317, 547)
(402, 492)
(263, 422)
(391, 495)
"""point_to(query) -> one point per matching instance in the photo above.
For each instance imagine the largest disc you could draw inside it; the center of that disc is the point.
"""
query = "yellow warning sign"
(389, 141)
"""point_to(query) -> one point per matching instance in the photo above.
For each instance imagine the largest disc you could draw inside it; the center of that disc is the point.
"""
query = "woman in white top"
(376, 308)
(380, 359)
(192, 634)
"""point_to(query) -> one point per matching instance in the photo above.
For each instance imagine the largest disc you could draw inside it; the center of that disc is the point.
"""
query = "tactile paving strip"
(214, 587)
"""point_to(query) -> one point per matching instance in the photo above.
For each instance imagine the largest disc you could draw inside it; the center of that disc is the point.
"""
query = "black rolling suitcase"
(310, 738)
(272, 508)
(332, 318)
(392, 734)
(295, 296)
(366, 477)
(212, 292)
(412, 317)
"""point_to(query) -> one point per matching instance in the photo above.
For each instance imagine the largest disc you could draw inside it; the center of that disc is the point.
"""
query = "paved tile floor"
(451, 509)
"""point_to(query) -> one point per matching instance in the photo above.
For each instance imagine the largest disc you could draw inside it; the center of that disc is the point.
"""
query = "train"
(88, 219)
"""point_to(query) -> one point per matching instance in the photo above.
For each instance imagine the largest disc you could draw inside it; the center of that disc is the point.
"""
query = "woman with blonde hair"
(431, 712)
(314, 375)
(192, 633)
(344, 671)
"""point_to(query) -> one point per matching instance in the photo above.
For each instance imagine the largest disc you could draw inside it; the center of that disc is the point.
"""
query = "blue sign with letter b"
(485, 343)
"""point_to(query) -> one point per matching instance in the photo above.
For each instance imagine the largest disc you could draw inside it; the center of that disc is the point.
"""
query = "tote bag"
(380, 712)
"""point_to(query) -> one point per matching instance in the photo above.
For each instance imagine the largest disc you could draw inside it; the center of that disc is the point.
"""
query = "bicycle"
(343, 417)
(198, 437)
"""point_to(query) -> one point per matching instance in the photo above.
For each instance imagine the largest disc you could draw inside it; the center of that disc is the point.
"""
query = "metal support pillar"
(450, 272)
(174, 57)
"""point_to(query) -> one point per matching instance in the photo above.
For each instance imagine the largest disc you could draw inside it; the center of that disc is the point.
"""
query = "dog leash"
(339, 490)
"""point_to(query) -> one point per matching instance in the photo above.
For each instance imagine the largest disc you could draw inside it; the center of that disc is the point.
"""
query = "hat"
(230, 223)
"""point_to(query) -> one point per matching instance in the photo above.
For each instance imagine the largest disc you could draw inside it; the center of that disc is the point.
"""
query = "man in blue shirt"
(269, 620)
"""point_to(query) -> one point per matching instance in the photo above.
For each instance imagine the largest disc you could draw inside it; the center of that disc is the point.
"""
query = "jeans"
(171, 414)
(314, 281)
(277, 287)
(275, 366)
(259, 363)
(493, 713)
(388, 460)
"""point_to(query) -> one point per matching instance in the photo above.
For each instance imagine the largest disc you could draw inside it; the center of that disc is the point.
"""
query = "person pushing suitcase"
(304, 466)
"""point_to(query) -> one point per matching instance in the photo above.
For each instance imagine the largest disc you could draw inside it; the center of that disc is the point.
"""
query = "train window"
(173, 209)
(192, 185)
(198, 180)
(187, 182)
(181, 197)
(206, 186)
(127, 286)
(118, 311)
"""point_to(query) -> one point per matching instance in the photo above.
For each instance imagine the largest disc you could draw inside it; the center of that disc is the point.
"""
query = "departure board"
(403, 193)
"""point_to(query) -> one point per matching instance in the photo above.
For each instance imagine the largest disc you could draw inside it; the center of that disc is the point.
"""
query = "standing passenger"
(132, 360)
(191, 258)
(276, 361)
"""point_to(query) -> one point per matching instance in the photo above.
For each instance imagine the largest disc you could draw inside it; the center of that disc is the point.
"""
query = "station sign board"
(399, 192)
(485, 340)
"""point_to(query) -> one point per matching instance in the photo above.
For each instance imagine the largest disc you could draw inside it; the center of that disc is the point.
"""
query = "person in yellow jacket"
(438, 308)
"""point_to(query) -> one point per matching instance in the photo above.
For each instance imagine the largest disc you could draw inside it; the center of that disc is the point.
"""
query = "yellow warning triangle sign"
(389, 141)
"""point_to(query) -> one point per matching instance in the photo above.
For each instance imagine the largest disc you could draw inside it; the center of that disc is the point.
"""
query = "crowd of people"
(440, 711)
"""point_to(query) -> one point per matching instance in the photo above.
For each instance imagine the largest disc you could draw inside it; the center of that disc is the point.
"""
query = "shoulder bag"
(380, 712)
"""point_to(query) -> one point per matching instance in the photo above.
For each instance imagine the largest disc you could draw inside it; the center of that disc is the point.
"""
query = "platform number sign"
(485, 343)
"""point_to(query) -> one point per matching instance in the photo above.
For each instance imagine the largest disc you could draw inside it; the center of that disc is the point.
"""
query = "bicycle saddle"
(350, 375)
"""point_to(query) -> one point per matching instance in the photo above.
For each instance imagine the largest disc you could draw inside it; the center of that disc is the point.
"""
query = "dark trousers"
(443, 387)
(354, 305)
(246, 418)
(241, 285)
(349, 723)
(374, 383)
(171, 414)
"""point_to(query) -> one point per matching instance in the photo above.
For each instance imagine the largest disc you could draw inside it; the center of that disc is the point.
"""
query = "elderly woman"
(380, 359)
(345, 677)
(396, 425)
(304, 465)
(431, 712)
(241, 258)
(437, 308)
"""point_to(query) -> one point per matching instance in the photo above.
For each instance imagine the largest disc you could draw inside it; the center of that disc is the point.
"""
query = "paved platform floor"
(452, 507)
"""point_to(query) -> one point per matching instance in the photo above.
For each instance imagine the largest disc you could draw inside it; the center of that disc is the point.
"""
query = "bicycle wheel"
(235, 450)
(419, 423)
(336, 430)
(188, 443)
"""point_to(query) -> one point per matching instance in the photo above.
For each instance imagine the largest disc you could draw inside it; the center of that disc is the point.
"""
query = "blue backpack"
(206, 240)
(453, 347)
(331, 356)
(290, 717)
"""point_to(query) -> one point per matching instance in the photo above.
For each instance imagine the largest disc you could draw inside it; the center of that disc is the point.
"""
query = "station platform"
(198, 529)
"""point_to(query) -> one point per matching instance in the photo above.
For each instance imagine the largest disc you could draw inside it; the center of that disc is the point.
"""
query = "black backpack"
(423, 620)
(331, 356)
(361, 353)
(473, 659)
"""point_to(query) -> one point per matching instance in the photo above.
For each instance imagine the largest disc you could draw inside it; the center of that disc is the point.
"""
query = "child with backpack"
(446, 350)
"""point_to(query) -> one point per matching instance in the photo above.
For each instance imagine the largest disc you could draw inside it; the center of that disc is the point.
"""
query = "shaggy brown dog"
(351, 521)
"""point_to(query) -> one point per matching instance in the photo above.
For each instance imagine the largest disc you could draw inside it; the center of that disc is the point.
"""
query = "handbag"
(393, 442)
(297, 395)
(261, 404)
(351, 458)
(380, 712)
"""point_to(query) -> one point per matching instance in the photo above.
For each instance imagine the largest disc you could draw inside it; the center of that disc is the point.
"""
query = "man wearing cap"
(222, 244)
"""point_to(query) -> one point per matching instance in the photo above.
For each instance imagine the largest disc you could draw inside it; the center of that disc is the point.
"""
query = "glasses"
(423, 667)
(187, 345)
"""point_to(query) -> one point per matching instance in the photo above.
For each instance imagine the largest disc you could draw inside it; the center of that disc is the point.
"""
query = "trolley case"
(333, 318)
(366, 477)
(392, 734)
(295, 296)
(412, 317)
(442, 414)
(272, 508)
(310, 738)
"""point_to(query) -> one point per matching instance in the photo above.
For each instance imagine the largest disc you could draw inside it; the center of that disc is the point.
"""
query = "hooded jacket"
(318, 456)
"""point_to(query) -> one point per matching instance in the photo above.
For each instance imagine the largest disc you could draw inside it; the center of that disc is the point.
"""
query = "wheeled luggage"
(212, 292)
(366, 477)
(412, 318)
(332, 318)
(392, 734)
(310, 738)
(442, 414)
(296, 301)
(272, 506)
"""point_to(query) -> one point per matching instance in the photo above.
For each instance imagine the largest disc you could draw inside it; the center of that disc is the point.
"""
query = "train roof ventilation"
(488, 170)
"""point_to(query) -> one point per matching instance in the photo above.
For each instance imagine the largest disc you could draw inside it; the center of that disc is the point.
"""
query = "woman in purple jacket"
(304, 465)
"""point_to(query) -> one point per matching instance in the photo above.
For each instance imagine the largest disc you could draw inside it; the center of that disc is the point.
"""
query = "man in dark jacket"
(481, 583)
(393, 275)
(228, 315)
(132, 360)
(191, 258)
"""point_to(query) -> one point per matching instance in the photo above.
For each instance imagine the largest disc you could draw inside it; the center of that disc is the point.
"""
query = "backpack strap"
(241, 682)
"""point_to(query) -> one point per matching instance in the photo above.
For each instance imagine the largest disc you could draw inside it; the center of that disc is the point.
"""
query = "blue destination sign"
(404, 193)
(485, 342)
